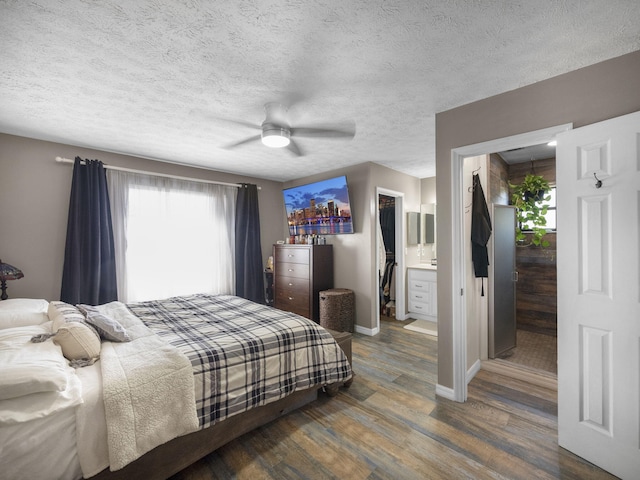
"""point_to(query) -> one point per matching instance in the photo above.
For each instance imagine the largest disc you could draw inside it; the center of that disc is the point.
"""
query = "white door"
(599, 294)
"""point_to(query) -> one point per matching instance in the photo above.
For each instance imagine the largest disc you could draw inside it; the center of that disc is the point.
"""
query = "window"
(173, 237)
(550, 216)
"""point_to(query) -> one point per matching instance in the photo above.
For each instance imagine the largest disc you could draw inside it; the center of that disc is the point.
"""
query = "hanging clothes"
(387, 216)
(480, 232)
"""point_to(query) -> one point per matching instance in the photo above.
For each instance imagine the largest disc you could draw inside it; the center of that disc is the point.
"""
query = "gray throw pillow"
(107, 327)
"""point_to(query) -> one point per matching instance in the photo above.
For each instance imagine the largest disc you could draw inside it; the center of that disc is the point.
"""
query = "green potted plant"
(527, 197)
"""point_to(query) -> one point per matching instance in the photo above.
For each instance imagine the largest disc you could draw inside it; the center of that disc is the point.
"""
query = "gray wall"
(582, 97)
(34, 202)
(355, 265)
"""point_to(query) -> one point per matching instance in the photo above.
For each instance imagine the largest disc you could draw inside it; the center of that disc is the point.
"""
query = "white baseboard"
(445, 392)
(475, 368)
(367, 331)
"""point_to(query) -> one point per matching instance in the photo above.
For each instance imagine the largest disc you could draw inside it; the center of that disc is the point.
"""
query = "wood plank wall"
(536, 290)
(498, 180)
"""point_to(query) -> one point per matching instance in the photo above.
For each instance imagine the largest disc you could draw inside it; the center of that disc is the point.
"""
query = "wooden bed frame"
(177, 454)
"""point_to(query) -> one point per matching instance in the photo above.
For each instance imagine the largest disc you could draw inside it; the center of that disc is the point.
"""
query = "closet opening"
(390, 297)
(387, 256)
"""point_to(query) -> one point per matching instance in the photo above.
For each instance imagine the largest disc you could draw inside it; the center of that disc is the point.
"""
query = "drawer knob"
(418, 307)
(418, 296)
(290, 256)
(290, 284)
(291, 269)
(290, 298)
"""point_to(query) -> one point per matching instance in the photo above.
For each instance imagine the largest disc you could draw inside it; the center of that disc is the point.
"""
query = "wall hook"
(598, 181)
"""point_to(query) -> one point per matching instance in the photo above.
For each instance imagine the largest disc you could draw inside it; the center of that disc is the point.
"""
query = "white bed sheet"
(40, 449)
(91, 426)
(66, 443)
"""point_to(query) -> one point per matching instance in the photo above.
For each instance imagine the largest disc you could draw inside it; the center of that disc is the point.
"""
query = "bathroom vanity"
(421, 292)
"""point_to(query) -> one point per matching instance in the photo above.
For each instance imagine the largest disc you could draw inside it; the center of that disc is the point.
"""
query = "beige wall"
(428, 190)
(591, 94)
(354, 255)
(34, 201)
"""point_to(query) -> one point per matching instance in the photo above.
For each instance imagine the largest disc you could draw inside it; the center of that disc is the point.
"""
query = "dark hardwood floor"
(390, 425)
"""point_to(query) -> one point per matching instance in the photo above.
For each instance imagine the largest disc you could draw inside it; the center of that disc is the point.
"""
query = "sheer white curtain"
(172, 237)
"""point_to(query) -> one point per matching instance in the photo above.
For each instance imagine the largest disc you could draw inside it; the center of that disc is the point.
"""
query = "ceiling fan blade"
(348, 131)
(205, 115)
(242, 142)
(241, 123)
(293, 148)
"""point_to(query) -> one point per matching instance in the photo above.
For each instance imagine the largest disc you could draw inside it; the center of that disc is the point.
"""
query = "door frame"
(400, 242)
(459, 318)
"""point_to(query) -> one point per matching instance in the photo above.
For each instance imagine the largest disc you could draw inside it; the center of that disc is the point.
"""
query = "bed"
(165, 383)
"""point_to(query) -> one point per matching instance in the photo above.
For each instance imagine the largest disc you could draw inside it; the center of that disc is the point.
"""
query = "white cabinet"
(422, 294)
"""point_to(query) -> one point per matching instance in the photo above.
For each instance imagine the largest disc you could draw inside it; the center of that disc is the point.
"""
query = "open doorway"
(390, 300)
(387, 256)
(462, 373)
(533, 276)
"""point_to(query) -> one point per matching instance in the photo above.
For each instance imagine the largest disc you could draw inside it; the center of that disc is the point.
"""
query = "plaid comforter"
(243, 354)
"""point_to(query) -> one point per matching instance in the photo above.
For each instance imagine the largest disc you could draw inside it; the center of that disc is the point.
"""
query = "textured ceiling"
(162, 79)
(528, 154)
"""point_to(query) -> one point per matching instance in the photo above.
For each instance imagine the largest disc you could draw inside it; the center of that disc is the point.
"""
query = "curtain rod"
(166, 175)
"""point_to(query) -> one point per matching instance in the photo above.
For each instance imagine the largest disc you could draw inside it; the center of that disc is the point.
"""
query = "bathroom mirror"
(428, 233)
(413, 228)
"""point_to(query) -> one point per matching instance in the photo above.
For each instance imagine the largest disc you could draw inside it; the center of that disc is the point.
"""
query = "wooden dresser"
(300, 273)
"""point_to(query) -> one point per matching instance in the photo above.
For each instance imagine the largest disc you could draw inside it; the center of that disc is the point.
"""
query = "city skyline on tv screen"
(320, 208)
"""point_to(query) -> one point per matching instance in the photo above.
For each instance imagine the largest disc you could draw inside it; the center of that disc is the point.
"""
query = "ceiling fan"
(276, 132)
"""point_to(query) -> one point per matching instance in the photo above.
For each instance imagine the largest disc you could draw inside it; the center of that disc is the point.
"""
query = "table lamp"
(8, 272)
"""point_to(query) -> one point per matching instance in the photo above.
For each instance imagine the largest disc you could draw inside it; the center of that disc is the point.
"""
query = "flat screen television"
(319, 208)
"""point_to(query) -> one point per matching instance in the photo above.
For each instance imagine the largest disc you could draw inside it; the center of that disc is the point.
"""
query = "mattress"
(50, 447)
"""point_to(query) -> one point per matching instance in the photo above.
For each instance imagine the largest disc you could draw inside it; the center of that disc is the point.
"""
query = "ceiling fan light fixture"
(275, 137)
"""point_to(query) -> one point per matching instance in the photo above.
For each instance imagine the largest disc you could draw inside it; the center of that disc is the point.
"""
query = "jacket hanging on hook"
(480, 231)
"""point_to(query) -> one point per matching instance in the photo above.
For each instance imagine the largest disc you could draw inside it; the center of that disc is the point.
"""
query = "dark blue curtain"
(249, 273)
(89, 273)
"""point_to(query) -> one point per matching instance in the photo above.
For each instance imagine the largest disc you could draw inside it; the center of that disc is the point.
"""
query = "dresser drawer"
(292, 255)
(417, 285)
(295, 270)
(420, 296)
(293, 284)
(291, 301)
(420, 307)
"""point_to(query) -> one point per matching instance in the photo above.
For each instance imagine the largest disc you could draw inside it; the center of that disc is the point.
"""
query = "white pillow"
(78, 341)
(19, 312)
(61, 313)
(30, 367)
